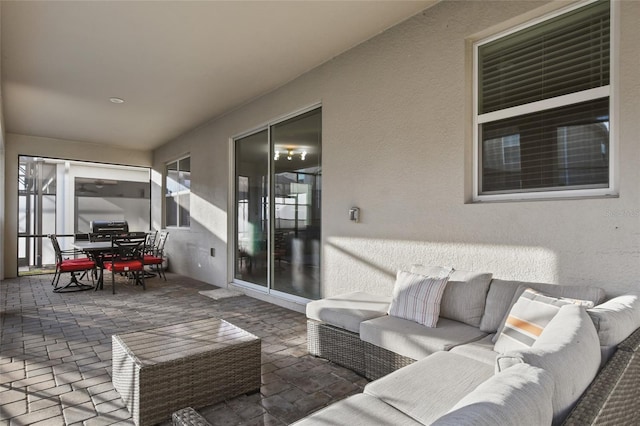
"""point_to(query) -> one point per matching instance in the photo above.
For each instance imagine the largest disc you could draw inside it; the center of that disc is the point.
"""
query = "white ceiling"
(177, 64)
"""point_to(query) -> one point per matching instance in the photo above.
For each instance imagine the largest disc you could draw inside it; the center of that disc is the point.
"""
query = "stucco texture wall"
(397, 144)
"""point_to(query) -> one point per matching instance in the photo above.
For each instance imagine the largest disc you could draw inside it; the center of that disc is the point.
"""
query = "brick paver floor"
(55, 353)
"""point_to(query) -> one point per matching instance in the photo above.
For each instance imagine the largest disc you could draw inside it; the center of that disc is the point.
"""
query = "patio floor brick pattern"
(55, 353)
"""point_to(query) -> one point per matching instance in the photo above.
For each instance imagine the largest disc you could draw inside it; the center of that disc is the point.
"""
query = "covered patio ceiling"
(175, 64)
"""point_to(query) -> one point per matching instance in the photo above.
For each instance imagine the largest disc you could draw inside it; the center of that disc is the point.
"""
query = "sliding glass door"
(278, 176)
(252, 209)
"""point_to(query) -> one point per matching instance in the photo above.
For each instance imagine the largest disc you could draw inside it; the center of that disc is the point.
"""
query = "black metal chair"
(72, 265)
(155, 255)
(151, 240)
(127, 258)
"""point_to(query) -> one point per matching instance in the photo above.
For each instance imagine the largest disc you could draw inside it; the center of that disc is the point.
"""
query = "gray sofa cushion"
(464, 296)
(480, 350)
(416, 341)
(503, 294)
(427, 389)
(358, 410)
(569, 350)
(497, 304)
(616, 318)
(521, 395)
(347, 311)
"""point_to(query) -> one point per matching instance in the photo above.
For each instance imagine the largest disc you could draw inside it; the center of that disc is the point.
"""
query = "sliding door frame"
(232, 213)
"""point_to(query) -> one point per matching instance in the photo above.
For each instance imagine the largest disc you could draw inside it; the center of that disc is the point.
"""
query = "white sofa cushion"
(464, 296)
(416, 341)
(527, 319)
(417, 297)
(521, 395)
(427, 389)
(358, 410)
(616, 318)
(569, 350)
(347, 311)
(503, 295)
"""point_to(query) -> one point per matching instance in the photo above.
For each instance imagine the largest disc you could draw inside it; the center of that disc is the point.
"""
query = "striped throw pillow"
(417, 297)
(527, 319)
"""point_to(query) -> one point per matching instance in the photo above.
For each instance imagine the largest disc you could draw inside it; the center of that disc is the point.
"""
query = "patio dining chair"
(127, 258)
(151, 239)
(155, 255)
(84, 236)
(72, 265)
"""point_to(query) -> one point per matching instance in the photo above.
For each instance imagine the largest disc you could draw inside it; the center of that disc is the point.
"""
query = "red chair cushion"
(124, 266)
(72, 265)
(81, 260)
(152, 260)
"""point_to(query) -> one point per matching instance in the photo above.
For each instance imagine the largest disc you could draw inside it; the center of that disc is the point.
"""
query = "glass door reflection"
(297, 194)
(252, 209)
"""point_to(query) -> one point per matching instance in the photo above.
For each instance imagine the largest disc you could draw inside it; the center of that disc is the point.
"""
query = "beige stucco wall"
(17, 145)
(396, 143)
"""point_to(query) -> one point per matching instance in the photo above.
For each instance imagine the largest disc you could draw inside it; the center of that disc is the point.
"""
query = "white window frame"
(538, 106)
(176, 196)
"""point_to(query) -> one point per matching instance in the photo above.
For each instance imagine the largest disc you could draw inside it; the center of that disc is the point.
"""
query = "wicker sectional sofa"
(452, 374)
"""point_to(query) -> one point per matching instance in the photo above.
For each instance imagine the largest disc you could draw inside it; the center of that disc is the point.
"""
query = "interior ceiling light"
(290, 154)
(116, 100)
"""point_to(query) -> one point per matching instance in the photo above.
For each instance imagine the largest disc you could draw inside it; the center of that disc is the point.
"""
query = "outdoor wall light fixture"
(354, 214)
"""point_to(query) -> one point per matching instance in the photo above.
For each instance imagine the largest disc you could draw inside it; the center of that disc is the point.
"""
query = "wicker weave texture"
(379, 361)
(188, 417)
(612, 398)
(631, 343)
(337, 345)
(163, 370)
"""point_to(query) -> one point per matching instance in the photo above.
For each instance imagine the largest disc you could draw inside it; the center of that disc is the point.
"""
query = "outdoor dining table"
(96, 251)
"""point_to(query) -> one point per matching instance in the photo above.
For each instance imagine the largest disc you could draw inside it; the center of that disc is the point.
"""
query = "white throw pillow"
(417, 297)
(465, 295)
(589, 296)
(527, 319)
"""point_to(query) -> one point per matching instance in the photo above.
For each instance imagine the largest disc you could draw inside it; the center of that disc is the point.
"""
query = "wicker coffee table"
(192, 364)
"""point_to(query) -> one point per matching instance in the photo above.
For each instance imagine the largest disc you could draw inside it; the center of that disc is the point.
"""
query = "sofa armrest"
(612, 396)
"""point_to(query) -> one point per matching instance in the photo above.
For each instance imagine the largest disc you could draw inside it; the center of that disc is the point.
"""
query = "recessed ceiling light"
(116, 100)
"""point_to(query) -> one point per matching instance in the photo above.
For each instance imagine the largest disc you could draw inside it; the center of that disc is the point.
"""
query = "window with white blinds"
(542, 111)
